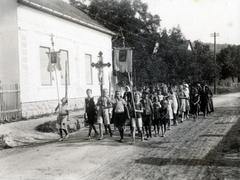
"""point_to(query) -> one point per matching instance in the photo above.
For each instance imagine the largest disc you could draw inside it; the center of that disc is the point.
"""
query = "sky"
(199, 18)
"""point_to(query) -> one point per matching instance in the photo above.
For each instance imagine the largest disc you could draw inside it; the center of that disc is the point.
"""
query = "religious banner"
(122, 59)
(54, 60)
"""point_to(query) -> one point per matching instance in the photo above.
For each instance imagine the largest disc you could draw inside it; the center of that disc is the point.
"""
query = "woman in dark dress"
(127, 96)
(164, 116)
(204, 100)
(210, 101)
(194, 102)
(90, 112)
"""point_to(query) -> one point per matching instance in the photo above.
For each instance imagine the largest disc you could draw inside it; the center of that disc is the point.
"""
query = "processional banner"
(122, 59)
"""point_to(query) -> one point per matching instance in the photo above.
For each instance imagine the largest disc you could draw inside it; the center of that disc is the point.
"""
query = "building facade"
(26, 39)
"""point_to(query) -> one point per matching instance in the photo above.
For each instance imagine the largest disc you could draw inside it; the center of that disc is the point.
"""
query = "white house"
(25, 38)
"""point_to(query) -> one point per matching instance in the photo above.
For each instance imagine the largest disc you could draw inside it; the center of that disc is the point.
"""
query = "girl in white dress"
(170, 111)
(182, 99)
(174, 106)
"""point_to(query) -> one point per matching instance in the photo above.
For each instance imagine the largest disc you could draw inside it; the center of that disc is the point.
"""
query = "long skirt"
(182, 106)
(119, 119)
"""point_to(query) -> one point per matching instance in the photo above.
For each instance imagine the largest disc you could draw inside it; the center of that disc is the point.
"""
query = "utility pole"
(215, 35)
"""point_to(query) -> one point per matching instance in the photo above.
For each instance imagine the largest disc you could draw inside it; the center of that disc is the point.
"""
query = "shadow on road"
(229, 144)
(187, 162)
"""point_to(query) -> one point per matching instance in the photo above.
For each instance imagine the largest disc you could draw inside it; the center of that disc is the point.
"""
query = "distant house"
(25, 38)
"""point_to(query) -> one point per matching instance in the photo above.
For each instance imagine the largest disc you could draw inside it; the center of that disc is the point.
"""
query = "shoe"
(89, 137)
(67, 136)
(121, 140)
(60, 139)
(100, 138)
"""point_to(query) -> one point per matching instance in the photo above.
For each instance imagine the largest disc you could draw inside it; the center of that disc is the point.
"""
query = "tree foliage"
(171, 63)
(229, 62)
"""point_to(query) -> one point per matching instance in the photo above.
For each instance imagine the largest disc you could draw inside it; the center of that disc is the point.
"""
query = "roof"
(66, 11)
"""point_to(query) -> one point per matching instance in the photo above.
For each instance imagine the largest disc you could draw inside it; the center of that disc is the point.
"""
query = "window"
(46, 77)
(88, 69)
(64, 60)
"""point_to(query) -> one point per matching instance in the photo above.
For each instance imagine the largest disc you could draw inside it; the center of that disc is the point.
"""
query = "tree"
(205, 65)
(229, 62)
(170, 63)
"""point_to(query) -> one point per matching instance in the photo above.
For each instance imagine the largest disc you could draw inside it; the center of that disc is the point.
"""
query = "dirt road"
(187, 152)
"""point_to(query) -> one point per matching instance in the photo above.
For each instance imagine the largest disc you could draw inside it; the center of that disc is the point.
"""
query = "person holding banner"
(62, 118)
(127, 96)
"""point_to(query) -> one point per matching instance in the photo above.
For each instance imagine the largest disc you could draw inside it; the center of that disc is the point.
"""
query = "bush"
(48, 127)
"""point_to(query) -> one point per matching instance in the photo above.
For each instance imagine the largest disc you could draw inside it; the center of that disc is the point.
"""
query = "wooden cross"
(99, 66)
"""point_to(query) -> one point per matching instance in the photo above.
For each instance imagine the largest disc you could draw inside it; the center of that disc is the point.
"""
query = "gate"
(10, 106)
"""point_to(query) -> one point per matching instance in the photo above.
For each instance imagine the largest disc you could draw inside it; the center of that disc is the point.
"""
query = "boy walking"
(147, 114)
(104, 105)
(62, 118)
(136, 121)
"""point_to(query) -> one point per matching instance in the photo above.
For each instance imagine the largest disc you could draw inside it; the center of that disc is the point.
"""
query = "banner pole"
(66, 79)
(131, 88)
(57, 87)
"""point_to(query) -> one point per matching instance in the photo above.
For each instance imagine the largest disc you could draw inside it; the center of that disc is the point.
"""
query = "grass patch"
(50, 127)
(47, 127)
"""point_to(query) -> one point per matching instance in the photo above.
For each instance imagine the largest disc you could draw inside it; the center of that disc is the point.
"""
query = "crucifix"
(99, 66)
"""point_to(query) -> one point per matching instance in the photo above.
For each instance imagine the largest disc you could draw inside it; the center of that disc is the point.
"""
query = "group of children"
(141, 110)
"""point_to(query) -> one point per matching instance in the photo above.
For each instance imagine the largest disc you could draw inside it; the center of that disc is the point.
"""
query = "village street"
(187, 152)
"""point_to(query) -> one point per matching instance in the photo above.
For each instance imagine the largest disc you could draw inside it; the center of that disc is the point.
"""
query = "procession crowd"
(146, 110)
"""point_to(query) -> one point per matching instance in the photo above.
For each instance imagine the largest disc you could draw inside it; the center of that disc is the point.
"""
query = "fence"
(10, 106)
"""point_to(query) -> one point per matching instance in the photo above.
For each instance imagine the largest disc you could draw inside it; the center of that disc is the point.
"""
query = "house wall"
(9, 73)
(35, 29)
